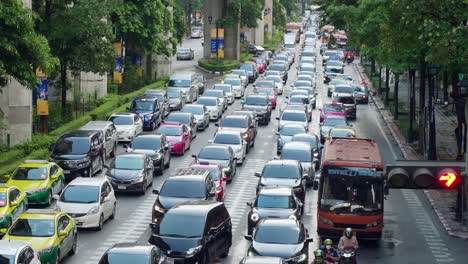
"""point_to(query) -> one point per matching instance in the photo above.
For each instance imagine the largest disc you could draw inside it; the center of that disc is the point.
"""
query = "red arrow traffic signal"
(448, 178)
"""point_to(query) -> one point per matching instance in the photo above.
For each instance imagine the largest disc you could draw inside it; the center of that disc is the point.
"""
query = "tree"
(22, 49)
(179, 23)
(245, 12)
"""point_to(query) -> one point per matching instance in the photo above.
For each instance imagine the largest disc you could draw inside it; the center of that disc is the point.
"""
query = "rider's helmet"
(328, 242)
(348, 232)
(318, 255)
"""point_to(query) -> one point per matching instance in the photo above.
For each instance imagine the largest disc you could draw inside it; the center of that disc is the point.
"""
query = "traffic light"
(415, 174)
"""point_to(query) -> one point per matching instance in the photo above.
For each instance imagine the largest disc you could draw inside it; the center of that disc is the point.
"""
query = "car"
(303, 99)
(221, 155)
(273, 73)
(234, 140)
(268, 88)
(332, 109)
(334, 65)
(89, 201)
(301, 152)
(336, 82)
(189, 82)
(109, 135)
(237, 86)
(52, 234)
(278, 82)
(155, 146)
(251, 71)
(341, 132)
(329, 74)
(13, 203)
(285, 238)
(282, 68)
(253, 49)
(306, 67)
(220, 94)
(286, 133)
(305, 77)
(282, 58)
(265, 56)
(342, 90)
(301, 83)
(330, 122)
(273, 202)
(177, 99)
(228, 91)
(242, 75)
(308, 53)
(181, 186)
(251, 114)
(213, 104)
(349, 103)
(196, 32)
(293, 117)
(283, 173)
(39, 179)
(128, 125)
(163, 100)
(240, 123)
(261, 105)
(132, 253)
(17, 252)
(186, 232)
(178, 136)
(327, 54)
(201, 114)
(185, 118)
(148, 110)
(131, 172)
(308, 60)
(299, 107)
(219, 178)
(314, 143)
(185, 54)
(78, 153)
(361, 93)
(260, 64)
(262, 260)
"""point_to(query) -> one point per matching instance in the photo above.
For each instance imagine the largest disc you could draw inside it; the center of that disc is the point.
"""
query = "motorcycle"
(348, 256)
(350, 60)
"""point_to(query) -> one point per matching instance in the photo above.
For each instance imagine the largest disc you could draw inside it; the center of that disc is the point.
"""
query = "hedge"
(221, 66)
(38, 146)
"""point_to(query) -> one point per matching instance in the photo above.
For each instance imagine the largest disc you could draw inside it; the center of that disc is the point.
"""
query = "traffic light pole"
(464, 188)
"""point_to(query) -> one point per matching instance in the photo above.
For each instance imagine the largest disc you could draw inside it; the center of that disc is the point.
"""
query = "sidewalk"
(446, 150)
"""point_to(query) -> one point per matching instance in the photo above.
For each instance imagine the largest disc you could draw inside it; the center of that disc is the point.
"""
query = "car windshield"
(124, 258)
(291, 130)
(196, 110)
(214, 154)
(33, 228)
(265, 91)
(129, 163)
(256, 100)
(229, 139)
(344, 89)
(214, 93)
(179, 83)
(241, 73)
(173, 93)
(275, 201)
(170, 130)
(184, 188)
(207, 101)
(180, 225)
(341, 133)
(334, 122)
(152, 143)
(265, 84)
(302, 83)
(361, 89)
(277, 67)
(246, 67)
(232, 81)
(299, 100)
(234, 122)
(330, 53)
(225, 88)
(333, 108)
(277, 234)
(122, 120)
(142, 105)
(275, 79)
(345, 100)
(344, 193)
(80, 194)
(281, 171)
(272, 73)
(312, 140)
(294, 116)
(334, 63)
(307, 68)
(7, 259)
(182, 118)
(23, 173)
(72, 146)
(296, 154)
(3, 199)
(308, 54)
(214, 171)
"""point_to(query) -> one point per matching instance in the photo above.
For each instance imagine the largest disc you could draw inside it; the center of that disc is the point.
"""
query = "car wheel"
(114, 149)
(161, 167)
(49, 198)
(101, 165)
(57, 257)
(168, 163)
(112, 216)
(90, 171)
(101, 223)
(152, 127)
(74, 246)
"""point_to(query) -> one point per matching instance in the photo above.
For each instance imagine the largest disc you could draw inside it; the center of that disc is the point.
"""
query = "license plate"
(66, 171)
(121, 187)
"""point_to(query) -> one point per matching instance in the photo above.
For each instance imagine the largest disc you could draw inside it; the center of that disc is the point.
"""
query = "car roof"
(172, 124)
(304, 135)
(95, 181)
(292, 110)
(35, 164)
(97, 124)
(262, 260)
(278, 191)
(202, 165)
(277, 222)
(46, 214)
(131, 248)
(196, 208)
(208, 97)
(79, 133)
(216, 147)
(283, 162)
(123, 114)
(149, 135)
(335, 117)
(11, 247)
(229, 132)
(257, 95)
(296, 145)
(236, 116)
(133, 154)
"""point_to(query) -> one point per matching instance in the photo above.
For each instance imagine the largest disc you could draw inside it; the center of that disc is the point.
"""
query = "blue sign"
(118, 64)
(42, 89)
(221, 44)
(213, 46)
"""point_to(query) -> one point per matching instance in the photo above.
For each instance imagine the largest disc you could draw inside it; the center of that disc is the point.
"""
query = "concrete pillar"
(268, 19)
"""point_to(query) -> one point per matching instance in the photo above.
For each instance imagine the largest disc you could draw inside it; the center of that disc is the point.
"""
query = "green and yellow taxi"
(39, 179)
(53, 234)
(13, 203)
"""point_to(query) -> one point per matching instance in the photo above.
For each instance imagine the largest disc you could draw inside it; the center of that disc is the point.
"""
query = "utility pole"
(432, 154)
(387, 85)
(412, 95)
(395, 96)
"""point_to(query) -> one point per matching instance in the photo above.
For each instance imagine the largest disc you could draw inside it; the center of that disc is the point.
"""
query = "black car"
(163, 100)
(315, 145)
(284, 173)
(274, 202)
(284, 238)
(349, 103)
(224, 156)
(194, 232)
(282, 68)
(123, 253)
(251, 71)
(155, 146)
(182, 186)
(361, 93)
(262, 260)
(261, 105)
(79, 153)
(185, 118)
(301, 152)
(131, 172)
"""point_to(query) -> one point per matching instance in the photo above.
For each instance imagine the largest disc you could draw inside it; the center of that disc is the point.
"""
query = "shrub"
(221, 66)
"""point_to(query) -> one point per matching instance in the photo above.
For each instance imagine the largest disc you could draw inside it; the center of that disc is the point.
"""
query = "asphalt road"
(412, 233)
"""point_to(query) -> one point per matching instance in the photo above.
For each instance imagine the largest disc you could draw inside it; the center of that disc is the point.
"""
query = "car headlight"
(194, 250)
(37, 191)
(83, 163)
(292, 217)
(254, 217)
(299, 258)
(157, 208)
(139, 179)
(147, 117)
(46, 250)
(93, 210)
(251, 253)
(373, 224)
(315, 155)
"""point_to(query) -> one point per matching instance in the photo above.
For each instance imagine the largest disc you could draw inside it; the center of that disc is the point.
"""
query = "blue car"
(148, 110)
(286, 133)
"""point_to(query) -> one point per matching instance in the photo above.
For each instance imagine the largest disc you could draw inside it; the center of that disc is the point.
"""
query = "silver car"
(237, 86)
(228, 91)
(293, 117)
(214, 106)
(185, 54)
(201, 114)
(108, 134)
(12, 251)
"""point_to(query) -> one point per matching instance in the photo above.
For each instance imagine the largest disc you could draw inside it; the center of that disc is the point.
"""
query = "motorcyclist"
(348, 240)
(318, 257)
(331, 254)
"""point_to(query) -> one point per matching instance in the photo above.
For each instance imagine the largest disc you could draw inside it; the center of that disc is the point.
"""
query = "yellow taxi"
(341, 132)
(229, 75)
(12, 204)
(39, 179)
(53, 234)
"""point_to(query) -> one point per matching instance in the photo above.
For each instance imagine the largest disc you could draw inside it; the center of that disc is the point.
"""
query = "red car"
(332, 109)
(178, 136)
(218, 176)
(261, 64)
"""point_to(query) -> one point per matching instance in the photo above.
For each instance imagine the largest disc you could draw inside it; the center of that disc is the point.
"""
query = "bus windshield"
(351, 190)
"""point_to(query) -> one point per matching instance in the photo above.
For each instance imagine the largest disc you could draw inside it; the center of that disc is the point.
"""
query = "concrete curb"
(207, 71)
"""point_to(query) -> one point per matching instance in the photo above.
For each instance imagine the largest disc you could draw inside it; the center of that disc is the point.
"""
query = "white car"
(237, 86)
(278, 82)
(89, 201)
(12, 251)
(234, 140)
(128, 125)
(228, 91)
(243, 76)
(214, 105)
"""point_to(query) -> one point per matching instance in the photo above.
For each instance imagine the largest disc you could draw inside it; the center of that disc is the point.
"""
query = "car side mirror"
(210, 141)
(216, 125)
(350, 125)
(55, 196)
(166, 147)
(309, 239)
(62, 233)
(212, 194)
(13, 203)
(277, 133)
(277, 118)
(258, 174)
(249, 204)
(194, 156)
(125, 145)
(156, 192)
(321, 124)
(248, 237)
(321, 147)
(276, 158)
(105, 166)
